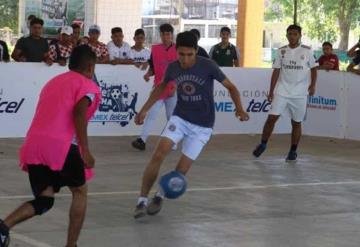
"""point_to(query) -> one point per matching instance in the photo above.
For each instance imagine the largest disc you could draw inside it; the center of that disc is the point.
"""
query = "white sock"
(142, 199)
(160, 193)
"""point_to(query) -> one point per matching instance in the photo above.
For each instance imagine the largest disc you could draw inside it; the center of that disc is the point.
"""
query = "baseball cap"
(66, 30)
(94, 28)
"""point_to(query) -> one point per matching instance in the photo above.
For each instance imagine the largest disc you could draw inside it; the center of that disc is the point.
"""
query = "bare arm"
(351, 52)
(17, 56)
(351, 68)
(235, 96)
(81, 123)
(313, 81)
(154, 96)
(274, 78)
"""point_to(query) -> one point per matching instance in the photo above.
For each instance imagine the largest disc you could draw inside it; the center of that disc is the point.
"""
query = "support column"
(250, 32)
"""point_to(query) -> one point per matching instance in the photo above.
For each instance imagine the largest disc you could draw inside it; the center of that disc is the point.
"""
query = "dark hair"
(225, 29)
(166, 28)
(36, 21)
(327, 43)
(75, 26)
(31, 17)
(139, 31)
(81, 57)
(195, 32)
(294, 27)
(186, 39)
(116, 30)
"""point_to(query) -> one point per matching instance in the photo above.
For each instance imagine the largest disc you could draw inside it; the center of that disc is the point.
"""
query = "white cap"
(95, 28)
(66, 30)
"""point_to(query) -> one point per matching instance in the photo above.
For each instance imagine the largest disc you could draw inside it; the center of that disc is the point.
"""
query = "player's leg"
(171, 135)
(151, 173)
(278, 106)
(77, 214)
(297, 108)
(41, 204)
(170, 104)
(194, 141)
(149, 123)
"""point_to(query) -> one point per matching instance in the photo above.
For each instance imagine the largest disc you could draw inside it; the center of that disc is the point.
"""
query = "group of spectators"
(330, 61)
(32, 47)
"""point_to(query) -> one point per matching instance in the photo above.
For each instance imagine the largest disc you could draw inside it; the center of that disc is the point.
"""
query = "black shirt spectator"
(33, 48)
(4, 52)
(202, 52)
(356, 59)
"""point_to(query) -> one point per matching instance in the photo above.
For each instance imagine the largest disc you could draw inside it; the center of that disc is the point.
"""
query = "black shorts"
(72, 174)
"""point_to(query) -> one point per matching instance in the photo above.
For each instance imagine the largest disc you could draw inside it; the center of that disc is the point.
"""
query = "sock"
(142, 199)
(160, 193)
(264, 142)
(293, 147)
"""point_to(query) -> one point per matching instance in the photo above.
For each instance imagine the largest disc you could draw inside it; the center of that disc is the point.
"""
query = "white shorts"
(296, 107)
(194, 136)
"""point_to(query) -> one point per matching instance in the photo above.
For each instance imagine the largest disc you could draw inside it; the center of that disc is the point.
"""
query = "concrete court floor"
(233, 199)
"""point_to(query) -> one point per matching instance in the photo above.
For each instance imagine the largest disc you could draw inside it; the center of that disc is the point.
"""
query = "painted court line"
(27, 240)
(242, 187)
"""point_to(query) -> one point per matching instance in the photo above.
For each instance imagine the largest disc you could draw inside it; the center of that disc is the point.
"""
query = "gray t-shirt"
(195, 90)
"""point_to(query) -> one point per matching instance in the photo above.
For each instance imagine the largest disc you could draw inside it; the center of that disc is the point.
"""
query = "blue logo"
(117, 104)
(319, 102)
(253, 106)
(8, 106)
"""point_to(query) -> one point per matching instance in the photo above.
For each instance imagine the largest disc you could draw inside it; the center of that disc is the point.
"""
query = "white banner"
(124, 92)
(352, 115)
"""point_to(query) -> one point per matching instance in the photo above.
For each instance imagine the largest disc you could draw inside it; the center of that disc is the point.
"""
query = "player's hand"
(140, 117)
(242, 115)
(147, 77)
(311, 90)
(270, 97)
(88, 159)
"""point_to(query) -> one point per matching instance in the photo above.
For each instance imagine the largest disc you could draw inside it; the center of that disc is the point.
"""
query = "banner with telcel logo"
(330, 110)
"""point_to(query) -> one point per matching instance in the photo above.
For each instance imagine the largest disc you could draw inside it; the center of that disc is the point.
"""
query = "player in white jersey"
(293, 68)
(138, 53)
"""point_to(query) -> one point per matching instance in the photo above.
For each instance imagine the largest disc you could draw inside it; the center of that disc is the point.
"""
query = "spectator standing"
(60, 52)
(139, 54)
(225, 54)
(100, 49)
(328, 61)
(119, 50)
(33, 48)
(4, 52)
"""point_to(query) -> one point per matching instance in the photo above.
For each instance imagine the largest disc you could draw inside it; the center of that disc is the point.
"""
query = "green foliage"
(319, 18)
(9, 10)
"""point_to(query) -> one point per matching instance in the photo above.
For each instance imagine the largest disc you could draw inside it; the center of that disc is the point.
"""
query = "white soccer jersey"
(294, 65)
(140, 56)
(115, 51)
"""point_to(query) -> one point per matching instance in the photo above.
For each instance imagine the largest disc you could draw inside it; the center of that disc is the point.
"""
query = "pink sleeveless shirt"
(49, 137)
(162, 56)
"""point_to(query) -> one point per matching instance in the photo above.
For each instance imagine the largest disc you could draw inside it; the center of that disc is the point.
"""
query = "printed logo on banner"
(118, 104)
(9, 105)
(257, 103)
(322, 103)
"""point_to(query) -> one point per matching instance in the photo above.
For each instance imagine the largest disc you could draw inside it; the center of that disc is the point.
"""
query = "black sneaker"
(259, 150)
(155, 205)
(292, 155)
(4, 235)
(139, 144)
(140, 210)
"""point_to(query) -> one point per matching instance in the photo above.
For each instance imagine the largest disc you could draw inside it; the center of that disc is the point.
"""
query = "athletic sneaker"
(155, 205)
(292, 155)
(140, 210)
(259, 150)
(139, 144)
(4, 235)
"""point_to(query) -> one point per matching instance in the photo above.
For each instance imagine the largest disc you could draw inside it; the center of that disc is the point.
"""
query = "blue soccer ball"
(173, 184)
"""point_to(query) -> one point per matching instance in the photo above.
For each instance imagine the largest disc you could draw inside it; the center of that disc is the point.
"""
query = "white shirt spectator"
(122, 52)
(142, 56)
(294, 65)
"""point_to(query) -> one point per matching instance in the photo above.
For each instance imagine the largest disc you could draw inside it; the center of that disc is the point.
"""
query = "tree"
(321, 19)
(9, 12)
